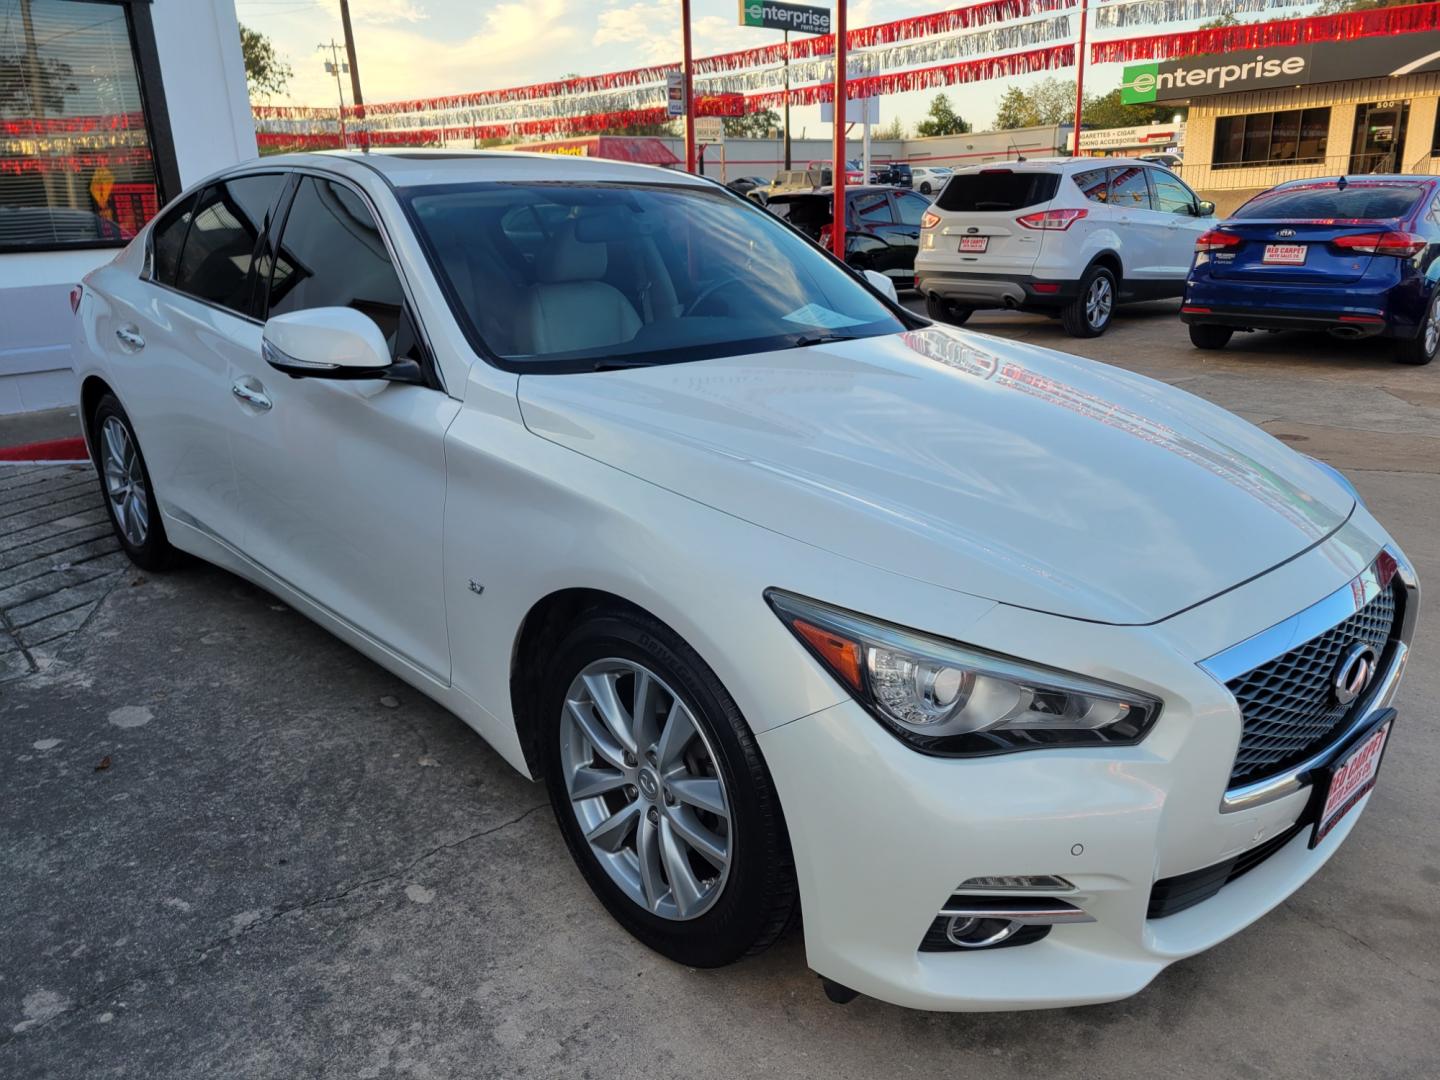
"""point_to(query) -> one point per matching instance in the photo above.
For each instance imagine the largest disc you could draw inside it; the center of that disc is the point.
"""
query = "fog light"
(971, 933)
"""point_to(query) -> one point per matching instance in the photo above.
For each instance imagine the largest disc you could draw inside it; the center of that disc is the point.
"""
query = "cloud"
(387, 11)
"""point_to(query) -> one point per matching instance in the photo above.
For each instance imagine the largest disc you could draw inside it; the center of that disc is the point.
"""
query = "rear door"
(978, 212)
(177, 354)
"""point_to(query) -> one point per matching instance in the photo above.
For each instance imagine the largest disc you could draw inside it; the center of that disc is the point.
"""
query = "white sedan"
(1021, 676)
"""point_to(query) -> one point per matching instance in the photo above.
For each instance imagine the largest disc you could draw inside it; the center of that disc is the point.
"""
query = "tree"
(265, 73)
(1050, 101)
(1108, 111)
(756, 125)
(894, 131)
(1336, 7)
(941, 119)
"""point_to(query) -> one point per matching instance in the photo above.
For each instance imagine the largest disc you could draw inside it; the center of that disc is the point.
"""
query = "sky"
(421, 48)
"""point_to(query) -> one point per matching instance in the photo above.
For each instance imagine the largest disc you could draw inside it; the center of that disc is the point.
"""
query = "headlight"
(1336, 475)
(949, 699)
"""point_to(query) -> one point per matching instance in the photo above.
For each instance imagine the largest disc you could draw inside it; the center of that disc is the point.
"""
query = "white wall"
(200, 64)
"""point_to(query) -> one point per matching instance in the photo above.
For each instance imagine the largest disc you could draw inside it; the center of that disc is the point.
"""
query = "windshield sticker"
(815, 315)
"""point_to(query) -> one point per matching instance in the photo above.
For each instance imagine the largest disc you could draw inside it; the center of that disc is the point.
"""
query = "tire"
(1421, 349)
(1210, 336)
(752, 898)
(1089, 314)
(946, 312)
(925, 187)
(125, 484)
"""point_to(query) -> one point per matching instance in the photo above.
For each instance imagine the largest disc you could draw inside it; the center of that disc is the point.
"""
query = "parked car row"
(1073, 238)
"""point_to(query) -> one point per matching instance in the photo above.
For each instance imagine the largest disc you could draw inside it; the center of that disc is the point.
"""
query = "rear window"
(998, 190)
(1355, 201)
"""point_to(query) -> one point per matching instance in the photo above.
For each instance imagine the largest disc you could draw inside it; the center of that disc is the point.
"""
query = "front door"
(1379, 137)
(1178, 209)
(343, 483)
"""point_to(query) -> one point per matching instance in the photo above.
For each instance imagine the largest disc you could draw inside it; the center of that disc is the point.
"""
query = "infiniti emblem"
(1286, 232)
(1354, 672)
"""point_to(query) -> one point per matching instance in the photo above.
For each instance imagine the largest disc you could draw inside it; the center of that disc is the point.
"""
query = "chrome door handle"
(130, 337)
(252, 395)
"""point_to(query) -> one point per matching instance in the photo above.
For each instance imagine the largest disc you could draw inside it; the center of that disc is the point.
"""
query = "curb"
(71, 449)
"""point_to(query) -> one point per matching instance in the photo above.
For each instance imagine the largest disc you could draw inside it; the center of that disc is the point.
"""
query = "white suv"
(1065, 236)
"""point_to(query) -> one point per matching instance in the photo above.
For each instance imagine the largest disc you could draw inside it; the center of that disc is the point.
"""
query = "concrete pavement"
(232, 847)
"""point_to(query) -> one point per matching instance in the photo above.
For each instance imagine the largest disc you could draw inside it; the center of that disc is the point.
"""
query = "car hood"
(1018, 474)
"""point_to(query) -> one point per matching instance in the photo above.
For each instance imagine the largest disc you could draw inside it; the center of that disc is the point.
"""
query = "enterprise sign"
(772, 15)
(1295, 65)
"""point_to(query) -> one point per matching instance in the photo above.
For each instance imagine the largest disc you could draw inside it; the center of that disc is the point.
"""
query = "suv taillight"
(1401, 244)
(1051, 219)
(929, 219)
(1217, 240)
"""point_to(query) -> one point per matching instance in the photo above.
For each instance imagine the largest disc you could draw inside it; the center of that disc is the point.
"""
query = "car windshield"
(552, 276)
(1355, 202)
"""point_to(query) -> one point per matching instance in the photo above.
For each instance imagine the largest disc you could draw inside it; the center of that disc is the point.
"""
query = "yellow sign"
(101, 184)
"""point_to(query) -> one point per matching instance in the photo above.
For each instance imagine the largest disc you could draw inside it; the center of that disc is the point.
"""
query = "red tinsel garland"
(1344, 27)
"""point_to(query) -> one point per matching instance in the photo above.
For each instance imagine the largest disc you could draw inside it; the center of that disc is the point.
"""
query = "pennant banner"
(1115, 14)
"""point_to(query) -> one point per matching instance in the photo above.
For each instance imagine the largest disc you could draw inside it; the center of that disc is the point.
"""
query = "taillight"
(825, 237)
(1051, 219)
(1404, 245)
(1217, 240)
(75, 294)
(929, 219)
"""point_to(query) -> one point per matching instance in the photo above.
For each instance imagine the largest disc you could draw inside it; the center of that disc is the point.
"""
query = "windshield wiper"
(620, 363)
(804, 340)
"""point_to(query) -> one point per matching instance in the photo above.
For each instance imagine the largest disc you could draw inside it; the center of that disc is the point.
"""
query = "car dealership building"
(1261, 117)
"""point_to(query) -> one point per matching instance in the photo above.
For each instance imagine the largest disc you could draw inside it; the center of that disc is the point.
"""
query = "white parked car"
(928, 179)
(1072, 237)
(1022, 676)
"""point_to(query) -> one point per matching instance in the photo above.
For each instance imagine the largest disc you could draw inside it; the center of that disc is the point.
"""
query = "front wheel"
(129, 494)
(925, 187)
(1088, 315)
(1422, 347)
(1205, 336)
(661, 793)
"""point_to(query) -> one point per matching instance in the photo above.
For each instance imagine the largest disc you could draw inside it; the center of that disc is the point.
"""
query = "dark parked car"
(882, 225)
(743, 185)
(1353, 256)
(894, 173)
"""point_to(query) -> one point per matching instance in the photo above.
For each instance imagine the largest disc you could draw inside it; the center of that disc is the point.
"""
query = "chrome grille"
(1287, 704)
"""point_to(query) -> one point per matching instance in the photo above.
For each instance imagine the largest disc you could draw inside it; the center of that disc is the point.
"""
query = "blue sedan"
(1352, 256)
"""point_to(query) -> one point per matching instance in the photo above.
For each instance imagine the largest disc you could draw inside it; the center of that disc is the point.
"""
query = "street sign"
(773, 15)
(709, 131)
(857, 111)
(675, 93)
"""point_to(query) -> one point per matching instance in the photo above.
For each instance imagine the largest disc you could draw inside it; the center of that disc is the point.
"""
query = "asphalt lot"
(232, 847)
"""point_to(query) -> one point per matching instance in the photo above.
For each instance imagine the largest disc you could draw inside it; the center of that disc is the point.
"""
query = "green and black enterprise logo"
(1144, 82)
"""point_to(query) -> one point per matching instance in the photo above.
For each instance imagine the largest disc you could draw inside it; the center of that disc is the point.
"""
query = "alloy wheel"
(1099, 300)
(1432, 327)
(125, 481)
(645, 788)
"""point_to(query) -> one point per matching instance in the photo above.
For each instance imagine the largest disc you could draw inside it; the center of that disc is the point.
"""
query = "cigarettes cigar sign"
(772, 15)
(1266, 69)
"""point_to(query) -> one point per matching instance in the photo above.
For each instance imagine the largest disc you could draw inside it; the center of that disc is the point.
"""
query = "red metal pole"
(689, 90)
(837, 166)
(1080, 74)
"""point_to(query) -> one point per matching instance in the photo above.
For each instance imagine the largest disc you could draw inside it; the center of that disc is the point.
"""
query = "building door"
(1379, 137)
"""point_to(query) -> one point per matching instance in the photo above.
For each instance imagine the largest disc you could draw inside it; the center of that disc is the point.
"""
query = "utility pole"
(837, 166)
(1080, 74)
(689, 88)
(787, 100)
(336, 66)
(355, 96)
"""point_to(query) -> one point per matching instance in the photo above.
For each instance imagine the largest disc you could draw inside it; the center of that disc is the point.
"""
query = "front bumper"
(883, 836)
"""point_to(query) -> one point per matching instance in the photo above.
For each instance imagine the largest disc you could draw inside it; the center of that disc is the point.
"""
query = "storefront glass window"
(1296, 136)
(76, 168)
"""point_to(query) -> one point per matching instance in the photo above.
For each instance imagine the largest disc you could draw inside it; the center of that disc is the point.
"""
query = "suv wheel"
(946, 312)
(129, 495)
(1088, 315)
(1422, 347)
(1204, 336)
(661, 793)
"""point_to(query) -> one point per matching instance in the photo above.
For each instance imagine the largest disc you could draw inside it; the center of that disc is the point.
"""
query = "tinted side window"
(911, 208)
(873, 207)
(1171, 196)
(332, 255)
(167, 238)
(1129, 189)
(1094, 184)
(219, 249)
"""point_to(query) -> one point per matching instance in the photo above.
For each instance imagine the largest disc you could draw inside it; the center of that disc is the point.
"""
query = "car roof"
(1363, 180)
(1073, 163)
(829, 190)
(410, 168)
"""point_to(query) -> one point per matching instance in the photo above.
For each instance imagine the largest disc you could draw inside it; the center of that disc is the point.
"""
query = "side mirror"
(1206, 208)
(330, 343)
(882, 284)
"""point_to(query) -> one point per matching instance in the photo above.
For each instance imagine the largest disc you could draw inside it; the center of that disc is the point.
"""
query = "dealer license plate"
(1285, 254)
(974, 243)
(1351, 778)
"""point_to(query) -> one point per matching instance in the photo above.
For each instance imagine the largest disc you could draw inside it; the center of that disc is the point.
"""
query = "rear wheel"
(1421, 349)
(946, 312)
(129, 495)
(1088, 315)
(924, 187)
(1205, 336)
(661, 793)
